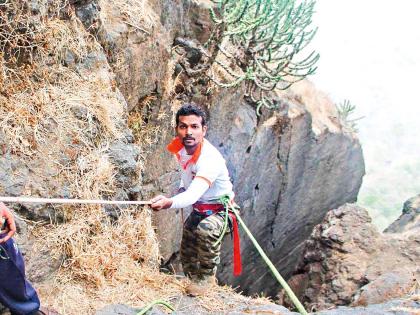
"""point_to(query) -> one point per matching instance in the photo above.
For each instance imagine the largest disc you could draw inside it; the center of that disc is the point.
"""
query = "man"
(16, 293)
(204, 180)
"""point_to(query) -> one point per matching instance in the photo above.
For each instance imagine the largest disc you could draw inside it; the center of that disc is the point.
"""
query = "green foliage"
(345, 110)
(266, 36)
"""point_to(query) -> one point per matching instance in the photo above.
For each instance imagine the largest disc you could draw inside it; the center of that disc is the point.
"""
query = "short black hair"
(191, 109)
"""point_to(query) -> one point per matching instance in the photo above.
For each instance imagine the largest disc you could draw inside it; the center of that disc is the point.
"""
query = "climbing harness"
(212, 208)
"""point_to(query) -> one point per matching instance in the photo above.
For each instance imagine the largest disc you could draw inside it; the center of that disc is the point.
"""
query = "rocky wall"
(347, 261)
(286, 176)
(288, 167)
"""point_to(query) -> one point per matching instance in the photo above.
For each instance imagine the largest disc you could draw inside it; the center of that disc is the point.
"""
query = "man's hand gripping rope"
(7, 223)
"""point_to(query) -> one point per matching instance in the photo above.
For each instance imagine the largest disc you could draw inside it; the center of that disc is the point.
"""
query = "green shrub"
(260, 41)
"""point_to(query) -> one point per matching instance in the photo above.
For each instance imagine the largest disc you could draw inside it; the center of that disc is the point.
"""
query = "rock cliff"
(288, 167)
(98, 113)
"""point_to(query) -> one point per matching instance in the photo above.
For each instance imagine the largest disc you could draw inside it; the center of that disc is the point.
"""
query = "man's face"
(190, 131)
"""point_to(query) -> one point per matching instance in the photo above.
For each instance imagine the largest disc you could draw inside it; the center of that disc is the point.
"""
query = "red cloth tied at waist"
(211, 208)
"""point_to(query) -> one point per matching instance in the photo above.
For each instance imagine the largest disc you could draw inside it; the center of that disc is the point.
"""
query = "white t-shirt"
(206, 180)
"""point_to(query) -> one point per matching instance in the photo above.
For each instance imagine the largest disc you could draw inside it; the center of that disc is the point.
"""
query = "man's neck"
(191, 150)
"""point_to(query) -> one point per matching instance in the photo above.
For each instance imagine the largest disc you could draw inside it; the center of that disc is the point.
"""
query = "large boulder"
(288, 168)
(347, 261)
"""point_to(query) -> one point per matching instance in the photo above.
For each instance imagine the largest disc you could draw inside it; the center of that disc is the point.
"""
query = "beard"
(189, 142)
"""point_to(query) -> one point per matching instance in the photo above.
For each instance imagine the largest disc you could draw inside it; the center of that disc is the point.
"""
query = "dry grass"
(138, 121)
(40, 96)
(70, 115)
(138, 14)
(38, 93)
(106, 262)
(109, 262)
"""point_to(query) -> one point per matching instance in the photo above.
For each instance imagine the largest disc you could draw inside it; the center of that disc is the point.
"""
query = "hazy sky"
(370, 53)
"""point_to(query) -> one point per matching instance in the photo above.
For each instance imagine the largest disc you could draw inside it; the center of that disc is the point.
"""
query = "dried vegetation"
(135, 13)
(107, 262)
(58, 103)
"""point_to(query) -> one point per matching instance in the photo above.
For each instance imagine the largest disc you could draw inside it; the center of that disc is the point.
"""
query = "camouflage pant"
(199, 254)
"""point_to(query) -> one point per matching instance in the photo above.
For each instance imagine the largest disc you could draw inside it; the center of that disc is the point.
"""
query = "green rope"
(225, 224)
(149, 306)
(225, 200)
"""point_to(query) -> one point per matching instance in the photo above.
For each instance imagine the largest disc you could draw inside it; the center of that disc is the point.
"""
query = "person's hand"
(10, 223)
(161, 202)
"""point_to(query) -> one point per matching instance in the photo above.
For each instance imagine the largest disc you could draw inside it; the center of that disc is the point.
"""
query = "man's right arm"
(184, 199)
(197, 188)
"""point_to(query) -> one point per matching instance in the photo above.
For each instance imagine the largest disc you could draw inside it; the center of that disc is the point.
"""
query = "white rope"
(72, 201)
